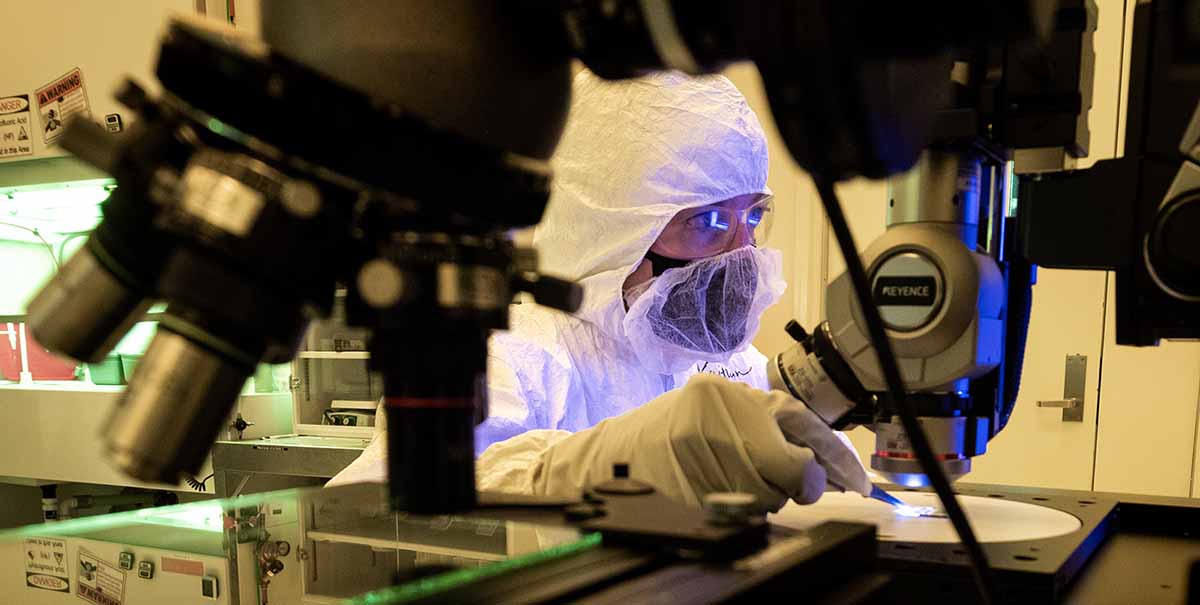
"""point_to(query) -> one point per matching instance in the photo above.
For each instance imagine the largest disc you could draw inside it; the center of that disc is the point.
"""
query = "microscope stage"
(994, 519)
(1036, 541)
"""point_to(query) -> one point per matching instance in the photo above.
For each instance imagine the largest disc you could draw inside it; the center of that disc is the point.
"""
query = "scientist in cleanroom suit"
(660, 201)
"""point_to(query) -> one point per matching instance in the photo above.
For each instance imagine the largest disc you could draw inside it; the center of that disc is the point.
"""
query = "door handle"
(1071, 403)
(1074, 382)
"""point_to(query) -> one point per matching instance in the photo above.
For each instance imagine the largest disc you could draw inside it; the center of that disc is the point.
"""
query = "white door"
(1147, 436)
(1038, 448)
(1148, 440)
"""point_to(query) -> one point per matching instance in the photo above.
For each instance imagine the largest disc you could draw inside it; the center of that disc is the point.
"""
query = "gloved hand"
(371, 465)
(712, 435)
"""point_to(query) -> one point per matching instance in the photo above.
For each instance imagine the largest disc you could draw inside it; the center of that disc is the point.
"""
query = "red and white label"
(98, 581)
(59, 100)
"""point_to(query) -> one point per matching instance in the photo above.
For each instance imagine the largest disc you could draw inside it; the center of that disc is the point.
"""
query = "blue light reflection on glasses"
(753, 219)
(714, 220)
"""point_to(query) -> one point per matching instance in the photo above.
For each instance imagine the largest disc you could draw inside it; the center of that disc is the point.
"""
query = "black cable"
(1016, 332)
(198, 485)
(980, 571)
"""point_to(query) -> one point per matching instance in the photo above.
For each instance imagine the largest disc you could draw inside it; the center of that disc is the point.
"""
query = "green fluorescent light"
(53, 208)
(64, 197)
(20, 228)
(194, 515)
(1013, 183)
(206, 517)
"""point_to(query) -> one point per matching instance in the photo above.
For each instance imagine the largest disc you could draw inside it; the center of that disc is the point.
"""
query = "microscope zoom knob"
(133, 96)
(796, 331)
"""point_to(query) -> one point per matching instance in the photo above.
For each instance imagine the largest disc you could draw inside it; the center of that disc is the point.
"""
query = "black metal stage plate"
(1052, 569)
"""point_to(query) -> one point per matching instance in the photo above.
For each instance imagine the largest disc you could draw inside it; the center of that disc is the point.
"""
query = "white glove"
(712, 435)
(371, 465)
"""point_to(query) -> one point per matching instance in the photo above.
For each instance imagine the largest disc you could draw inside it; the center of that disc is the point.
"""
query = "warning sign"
(15, 127)
(60, 100)
(98, 581)
(46, 564)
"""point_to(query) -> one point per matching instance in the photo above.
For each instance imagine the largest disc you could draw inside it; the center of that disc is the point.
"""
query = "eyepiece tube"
(180, 396)
(431, 449)
(434, 398)
(84, 310)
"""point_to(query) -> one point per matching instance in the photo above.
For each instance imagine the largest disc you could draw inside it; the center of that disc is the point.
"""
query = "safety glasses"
(709, 230)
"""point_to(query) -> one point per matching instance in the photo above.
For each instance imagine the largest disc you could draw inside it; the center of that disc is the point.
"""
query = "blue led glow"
(905, 510)
(913, 480)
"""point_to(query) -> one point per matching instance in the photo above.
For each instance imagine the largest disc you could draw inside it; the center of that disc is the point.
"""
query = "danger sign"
(59, 100)
(46, 564)
(15, 126)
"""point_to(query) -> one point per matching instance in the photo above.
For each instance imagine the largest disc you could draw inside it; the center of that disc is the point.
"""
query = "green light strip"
(226, 130)
(84, 525)
(58, 186)
(1013, 184)
(427, 587)
(84, 196)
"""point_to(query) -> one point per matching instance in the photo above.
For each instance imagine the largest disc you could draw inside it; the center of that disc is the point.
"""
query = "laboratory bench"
(246, 466)
(345, 545)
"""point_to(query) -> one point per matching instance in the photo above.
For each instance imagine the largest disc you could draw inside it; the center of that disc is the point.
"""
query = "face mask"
(705, 311)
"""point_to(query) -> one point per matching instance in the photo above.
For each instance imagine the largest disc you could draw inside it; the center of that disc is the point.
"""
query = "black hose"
(1016, 333)
(980, 571)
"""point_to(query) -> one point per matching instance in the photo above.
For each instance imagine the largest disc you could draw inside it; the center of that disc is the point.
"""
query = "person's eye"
(755, 216)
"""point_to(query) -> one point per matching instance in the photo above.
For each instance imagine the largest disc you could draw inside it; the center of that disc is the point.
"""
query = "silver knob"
(730, 508)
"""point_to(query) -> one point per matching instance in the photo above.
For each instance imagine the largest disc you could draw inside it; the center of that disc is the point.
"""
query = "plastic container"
(108, 372)
(43, 365)
(128, 364)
